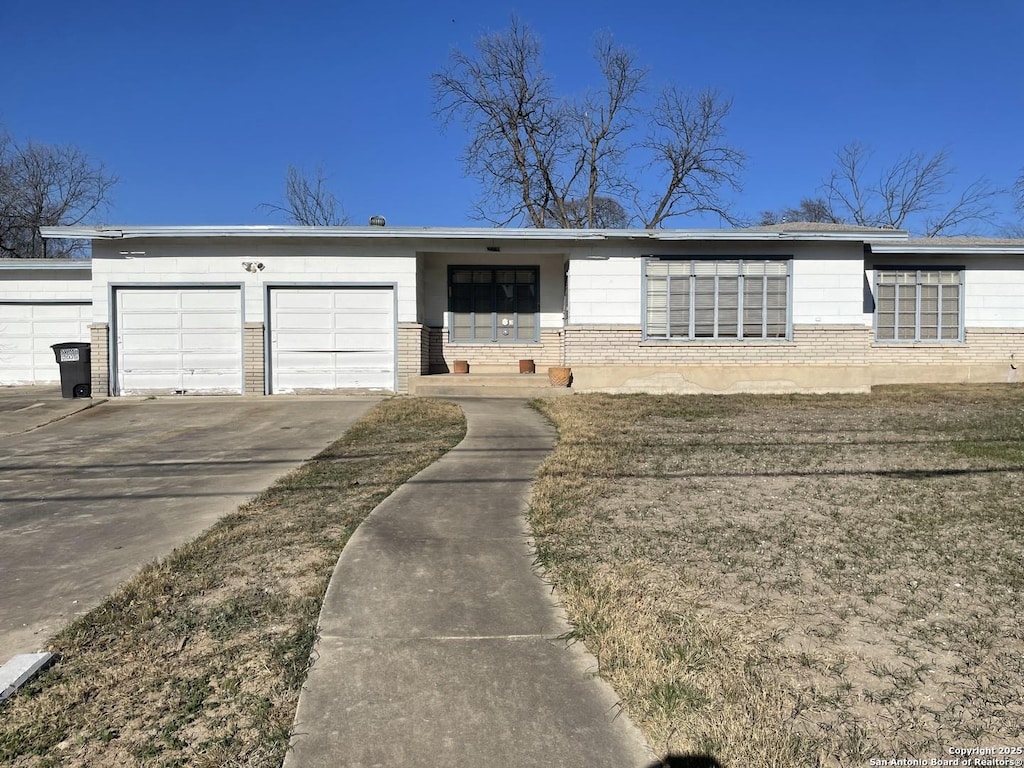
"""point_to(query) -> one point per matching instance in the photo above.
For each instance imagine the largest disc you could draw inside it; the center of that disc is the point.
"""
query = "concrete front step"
(485, 385)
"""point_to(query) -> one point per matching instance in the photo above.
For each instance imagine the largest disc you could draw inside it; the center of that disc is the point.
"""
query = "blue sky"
(199, 107)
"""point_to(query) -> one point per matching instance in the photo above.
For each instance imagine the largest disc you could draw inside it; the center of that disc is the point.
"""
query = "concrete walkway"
(437, 638)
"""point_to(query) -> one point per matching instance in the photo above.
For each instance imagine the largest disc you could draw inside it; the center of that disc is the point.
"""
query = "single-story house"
(799, 307)
(42, 302)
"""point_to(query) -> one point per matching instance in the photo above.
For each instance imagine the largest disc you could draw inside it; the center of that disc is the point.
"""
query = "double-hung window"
(493, 304)
(918, 304)
(717, 299)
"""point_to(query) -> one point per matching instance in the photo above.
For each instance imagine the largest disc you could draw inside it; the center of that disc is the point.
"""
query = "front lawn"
(797, 580)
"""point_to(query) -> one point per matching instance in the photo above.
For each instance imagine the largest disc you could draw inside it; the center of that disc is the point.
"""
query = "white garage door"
(28, 330)
(332, 338)
(179, 340)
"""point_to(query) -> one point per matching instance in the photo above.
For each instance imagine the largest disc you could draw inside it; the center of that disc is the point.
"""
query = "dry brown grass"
(199, 659)
(797, 581)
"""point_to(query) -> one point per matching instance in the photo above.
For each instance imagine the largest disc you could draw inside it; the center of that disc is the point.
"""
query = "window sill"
(499, 342)
(931, 343)
(711, 342)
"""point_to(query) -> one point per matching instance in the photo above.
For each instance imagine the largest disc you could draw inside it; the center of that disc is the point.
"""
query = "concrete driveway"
(89, 496)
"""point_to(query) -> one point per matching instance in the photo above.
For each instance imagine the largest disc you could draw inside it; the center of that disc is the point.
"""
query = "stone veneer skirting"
(610, 345)
(818, 358)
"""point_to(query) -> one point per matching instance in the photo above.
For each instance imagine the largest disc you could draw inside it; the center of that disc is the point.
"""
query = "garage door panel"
(300, 360)
(179, 340)
(332, 338)
(361, 303)
(303, 321)
(207, 361)
(207, 300)
(205, 320)
(361, 340)
(301, 299)
(143, 300)
(148, 343)
(151, 321)
(310, 340)
(214, 339)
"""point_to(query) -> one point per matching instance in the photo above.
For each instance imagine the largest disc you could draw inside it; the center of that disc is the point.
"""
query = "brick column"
(253, 361)
(410, 353)
(99, 338)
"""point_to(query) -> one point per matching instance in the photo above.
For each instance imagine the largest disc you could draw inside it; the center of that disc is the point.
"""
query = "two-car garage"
(191, 339)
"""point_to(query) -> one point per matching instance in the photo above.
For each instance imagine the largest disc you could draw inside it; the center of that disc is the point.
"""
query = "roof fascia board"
(911, 249)
(459, 233)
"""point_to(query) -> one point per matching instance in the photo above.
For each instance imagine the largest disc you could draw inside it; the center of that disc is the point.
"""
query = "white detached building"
(273, 309)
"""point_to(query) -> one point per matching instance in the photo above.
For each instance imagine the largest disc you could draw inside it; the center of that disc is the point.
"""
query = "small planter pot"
(527, 366)
(460, 366)
(560, 376)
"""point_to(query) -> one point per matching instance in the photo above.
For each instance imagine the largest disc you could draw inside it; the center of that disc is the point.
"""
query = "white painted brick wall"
(829, 291)
(605, 292)
(219, 262)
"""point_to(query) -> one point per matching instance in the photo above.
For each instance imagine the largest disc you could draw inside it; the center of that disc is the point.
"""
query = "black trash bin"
(75, 360)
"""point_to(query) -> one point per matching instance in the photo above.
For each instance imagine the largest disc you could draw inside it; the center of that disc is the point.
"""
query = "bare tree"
(1018, 194)
(913, 193)
(548, 160)
(598, 213)
(47, 185)
(810, 209)
(308, 201)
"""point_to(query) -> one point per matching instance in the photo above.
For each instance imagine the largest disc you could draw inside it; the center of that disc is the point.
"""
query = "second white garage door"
(179, 340)
(332, 338)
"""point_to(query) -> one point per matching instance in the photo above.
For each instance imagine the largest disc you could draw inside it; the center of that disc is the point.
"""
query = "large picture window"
(493, 304)
(717, 299)
(918, 304)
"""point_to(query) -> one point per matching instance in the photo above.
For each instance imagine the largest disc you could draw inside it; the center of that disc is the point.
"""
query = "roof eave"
(949, 249)
(460, 233)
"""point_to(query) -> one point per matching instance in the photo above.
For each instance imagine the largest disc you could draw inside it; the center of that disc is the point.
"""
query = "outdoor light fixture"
(252, 266)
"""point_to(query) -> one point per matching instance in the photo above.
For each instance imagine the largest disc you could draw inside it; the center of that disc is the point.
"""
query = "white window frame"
(919, 312)
(744, 270)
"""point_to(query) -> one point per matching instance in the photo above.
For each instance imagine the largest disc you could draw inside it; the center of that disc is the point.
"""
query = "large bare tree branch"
(547, 160)
(688, 143)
